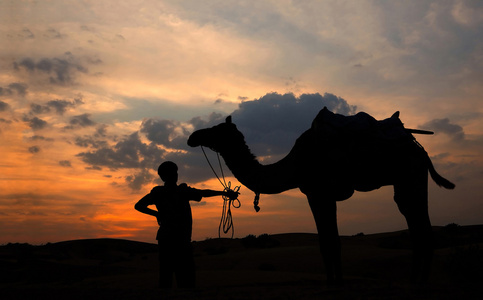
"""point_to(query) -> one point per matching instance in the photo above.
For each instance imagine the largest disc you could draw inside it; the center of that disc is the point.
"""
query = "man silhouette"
(175, 224)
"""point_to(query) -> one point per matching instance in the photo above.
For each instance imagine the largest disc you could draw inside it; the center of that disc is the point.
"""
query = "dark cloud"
(165, 132)
(59, 70)
(89, 141)
(39, 109)
(445, 126)
(81, 120)
(138, 180)
(213, 119)
(65, 163)
(35, 123)
(96, 168)
(40, 138)
(158, 131)
(19, 88)
(130, 152)
(34, 149)
(87, 28)
(61, 106)
(101, 130)
(53, 34)
(4, 106)
(272, 123)
(26, 33)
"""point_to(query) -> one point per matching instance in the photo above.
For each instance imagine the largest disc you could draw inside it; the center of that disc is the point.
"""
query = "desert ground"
(283, 266)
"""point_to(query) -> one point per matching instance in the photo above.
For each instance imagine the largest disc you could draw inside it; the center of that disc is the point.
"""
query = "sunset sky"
(94, 95)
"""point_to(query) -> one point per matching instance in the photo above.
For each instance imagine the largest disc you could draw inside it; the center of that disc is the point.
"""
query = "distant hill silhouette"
(275, 266)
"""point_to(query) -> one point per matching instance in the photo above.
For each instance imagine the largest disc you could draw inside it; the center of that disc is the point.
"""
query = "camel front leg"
(325, 215)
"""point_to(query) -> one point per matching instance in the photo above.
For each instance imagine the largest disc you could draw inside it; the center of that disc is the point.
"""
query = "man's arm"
(142, 206)
(211, 193)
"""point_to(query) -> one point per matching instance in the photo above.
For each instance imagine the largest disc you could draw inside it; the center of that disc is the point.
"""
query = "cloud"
(445, 126)
(81, 121)
(213, 119)
(169, 133)
(101, 130)
(61, 106)
(65, 163)
(53, 34)
(130, 152)
(41, 138)
(26, 34)
(158, 131)
(35, 122)
(34, 149)
(59, 70)
(4, 106)
(272, 123)
(19, 88)
(138, 180)
(90, 141)
(39, 109)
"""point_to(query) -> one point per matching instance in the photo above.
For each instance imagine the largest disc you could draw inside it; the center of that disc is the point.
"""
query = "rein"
(226, 221)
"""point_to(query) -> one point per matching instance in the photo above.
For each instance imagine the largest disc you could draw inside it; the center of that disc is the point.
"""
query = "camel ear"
(228, 120)
(395, 115)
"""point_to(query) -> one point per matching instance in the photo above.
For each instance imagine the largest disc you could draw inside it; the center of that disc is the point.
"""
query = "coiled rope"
(226, 221)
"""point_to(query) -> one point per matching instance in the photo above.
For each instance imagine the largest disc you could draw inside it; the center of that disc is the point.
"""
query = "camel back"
(358, 127)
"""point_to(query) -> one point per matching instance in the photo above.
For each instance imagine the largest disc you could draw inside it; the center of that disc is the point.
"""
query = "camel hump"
(331, 125)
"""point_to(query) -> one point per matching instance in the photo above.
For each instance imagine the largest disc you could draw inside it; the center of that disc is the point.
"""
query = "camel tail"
(440, 180)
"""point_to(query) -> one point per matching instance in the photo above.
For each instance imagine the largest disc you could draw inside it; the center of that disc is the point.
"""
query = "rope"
(226, 221)
(214, 172)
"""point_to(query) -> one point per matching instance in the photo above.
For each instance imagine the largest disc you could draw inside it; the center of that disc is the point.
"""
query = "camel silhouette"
(335, 157)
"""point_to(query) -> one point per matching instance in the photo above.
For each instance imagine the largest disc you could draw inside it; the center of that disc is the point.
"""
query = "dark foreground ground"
(286, 266)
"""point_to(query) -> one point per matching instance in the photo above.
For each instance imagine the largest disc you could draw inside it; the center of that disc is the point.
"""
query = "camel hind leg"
(412, 200)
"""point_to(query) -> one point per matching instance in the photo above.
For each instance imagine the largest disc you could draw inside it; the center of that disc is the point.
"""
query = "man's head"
(168, 171)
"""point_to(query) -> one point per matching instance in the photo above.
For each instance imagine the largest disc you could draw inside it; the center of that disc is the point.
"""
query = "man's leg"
(185, 268)
(166, 265)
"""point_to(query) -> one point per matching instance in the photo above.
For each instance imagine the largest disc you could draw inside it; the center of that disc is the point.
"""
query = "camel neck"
(266, 179)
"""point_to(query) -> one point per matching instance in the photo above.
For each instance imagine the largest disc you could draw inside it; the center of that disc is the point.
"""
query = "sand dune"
(285, 266)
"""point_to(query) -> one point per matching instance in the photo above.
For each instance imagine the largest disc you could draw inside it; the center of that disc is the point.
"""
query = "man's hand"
(231, 194)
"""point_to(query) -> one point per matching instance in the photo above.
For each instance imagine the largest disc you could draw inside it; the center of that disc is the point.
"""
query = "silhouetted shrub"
(451, 228)
(249, 241)
(262, 241)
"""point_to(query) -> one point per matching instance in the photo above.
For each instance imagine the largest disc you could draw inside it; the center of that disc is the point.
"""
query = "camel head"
(217, 137)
